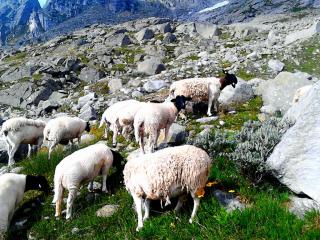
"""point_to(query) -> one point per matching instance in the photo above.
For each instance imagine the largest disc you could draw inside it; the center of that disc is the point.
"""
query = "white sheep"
(21, 130)
(12, 188)
(82, 165)
(300, 93)
(153, 117)
(63, 130)
(203, 89)
(111, 115)
(167, 173)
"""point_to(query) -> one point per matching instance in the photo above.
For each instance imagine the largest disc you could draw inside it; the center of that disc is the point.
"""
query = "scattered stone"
(154, 85)
(301, 206)
(207, 119)
(275, 65)
(115, 85)
(91, 75)
(151, 66)
(107, 211)
(177, 134)
(229, 201)
(144, 34)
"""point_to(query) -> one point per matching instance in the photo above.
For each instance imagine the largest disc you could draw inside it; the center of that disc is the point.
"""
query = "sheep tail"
(58, 189)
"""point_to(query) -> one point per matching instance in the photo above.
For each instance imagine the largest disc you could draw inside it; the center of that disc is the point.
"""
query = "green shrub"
(254, 144)
(215, 143)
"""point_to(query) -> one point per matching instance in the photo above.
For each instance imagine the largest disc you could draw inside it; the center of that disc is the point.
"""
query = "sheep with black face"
(153, 117)
(203, 89)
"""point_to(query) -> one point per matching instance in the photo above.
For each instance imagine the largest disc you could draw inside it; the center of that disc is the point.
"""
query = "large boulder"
(144, 34)
(177, 134)
(17, 73)
(154, 85)
(205, 30)
(151, 66)
(91, 75)
(277, 93)
(242, 93)
(295, 161)
(303, 34)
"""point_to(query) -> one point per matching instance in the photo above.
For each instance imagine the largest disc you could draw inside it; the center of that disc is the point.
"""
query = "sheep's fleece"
(159, 175)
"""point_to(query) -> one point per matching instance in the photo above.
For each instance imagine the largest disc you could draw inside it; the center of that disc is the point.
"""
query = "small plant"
(255, 143)
(215, 143)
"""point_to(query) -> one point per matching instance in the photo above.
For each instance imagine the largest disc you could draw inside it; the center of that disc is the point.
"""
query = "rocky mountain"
(23, 20)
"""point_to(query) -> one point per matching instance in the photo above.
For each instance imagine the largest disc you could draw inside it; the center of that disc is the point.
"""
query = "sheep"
(167, 173)
(21, 130)
(64, 129)
(153, 117)
(110, 117)
(12, 188)
(300, 93)
(82, 165)
(203, 89)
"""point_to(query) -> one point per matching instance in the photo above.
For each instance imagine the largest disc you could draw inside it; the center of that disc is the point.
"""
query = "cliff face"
(21, 20)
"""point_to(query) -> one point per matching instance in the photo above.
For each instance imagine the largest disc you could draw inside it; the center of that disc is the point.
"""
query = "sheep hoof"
(114, 145)
(190, 221)
(138, 229)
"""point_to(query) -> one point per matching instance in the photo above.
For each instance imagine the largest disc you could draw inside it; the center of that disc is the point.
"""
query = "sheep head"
(37, 183)
(228, 79)
(180, 102)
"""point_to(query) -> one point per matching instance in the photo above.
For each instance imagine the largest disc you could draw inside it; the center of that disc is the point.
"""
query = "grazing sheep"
(12, 188)
(153, 117)
(300, 93)
(203, 89)
(167, 173)
(21, 130)
(82, 165)
(110, 117)
(64, 129)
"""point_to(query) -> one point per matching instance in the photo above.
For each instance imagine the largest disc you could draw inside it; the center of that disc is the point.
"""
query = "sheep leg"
(29, 150)
(53, 144)
(179, 203)
(166, 135)
(59, 206)
(104, 180)
(11, 154)
(211, 97)
(146, 209)
(156, 141)
(196, 203)
(106, 130)
(72, 195)
(141, 142)
(138, 202)
(152, 140)
(115, 134)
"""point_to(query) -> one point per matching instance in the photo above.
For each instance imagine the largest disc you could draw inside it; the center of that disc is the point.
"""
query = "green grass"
(17, 57)
(193, 58)
(308, 58)
(266, 217)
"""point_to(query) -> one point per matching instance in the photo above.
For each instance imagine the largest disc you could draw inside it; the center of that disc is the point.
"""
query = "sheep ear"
(174, 100)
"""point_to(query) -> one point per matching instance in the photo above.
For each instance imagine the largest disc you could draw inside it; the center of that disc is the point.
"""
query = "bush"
(255, 143)
(215, 143)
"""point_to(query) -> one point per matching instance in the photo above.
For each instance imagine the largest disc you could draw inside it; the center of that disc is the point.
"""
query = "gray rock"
(47, 106)
(228, 200)
(154, 85)
(275, 65)
(177, 134)
(169, 38)
(96, 186)
(303, 34)
(107, 211)
(242, 93)
(91, 75)
(295, 160)
(301, 206)
(144, 34)
(277, 93)
(115, 85)
(20, 153)
(118, 40)
(89, 98)
(207, 119)
(88, 113)
(151, 66)
(17, 73)
(207, 30)
(87, 138)
(164, 28)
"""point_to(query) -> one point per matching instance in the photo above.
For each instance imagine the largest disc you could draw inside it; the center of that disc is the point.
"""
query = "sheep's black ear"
(174, 100)
(225, 71)
(188, 98)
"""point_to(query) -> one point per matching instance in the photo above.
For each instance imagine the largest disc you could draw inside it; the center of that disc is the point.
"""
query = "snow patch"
(218, 5)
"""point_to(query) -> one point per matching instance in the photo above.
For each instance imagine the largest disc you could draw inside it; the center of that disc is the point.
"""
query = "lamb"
(64, 129)
(153, 117)
(82, 165)
(203, 89)
(300, 93)
(12, 188)
(111, 116)
(167, 173)
(21, 130)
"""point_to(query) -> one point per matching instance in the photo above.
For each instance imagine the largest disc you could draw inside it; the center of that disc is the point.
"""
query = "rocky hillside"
(24, 22)
(84, 72)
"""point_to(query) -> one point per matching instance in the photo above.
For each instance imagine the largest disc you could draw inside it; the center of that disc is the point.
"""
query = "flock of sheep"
(161, 175)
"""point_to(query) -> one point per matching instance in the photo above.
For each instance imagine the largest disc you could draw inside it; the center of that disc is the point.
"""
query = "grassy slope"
(266, 218)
